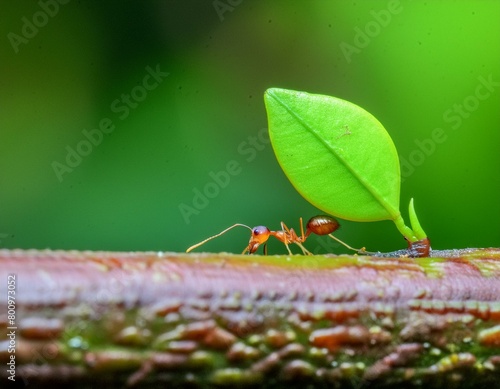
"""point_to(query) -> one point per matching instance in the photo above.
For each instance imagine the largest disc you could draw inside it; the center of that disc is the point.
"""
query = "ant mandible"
(319, 225)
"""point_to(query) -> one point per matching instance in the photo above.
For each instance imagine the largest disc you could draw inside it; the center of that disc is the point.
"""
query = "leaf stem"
(404, 229)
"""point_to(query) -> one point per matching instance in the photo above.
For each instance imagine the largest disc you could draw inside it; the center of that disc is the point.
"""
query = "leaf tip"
(415, 224)
(273, 92)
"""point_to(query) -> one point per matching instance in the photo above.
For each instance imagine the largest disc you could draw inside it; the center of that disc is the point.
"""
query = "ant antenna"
(216, 236)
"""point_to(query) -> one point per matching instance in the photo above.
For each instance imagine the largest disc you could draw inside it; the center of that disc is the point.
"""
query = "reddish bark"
(206, 319)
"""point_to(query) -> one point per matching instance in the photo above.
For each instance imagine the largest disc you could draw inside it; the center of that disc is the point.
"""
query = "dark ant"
(319, 225)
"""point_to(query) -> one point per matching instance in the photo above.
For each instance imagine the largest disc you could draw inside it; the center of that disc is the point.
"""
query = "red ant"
(319, 225)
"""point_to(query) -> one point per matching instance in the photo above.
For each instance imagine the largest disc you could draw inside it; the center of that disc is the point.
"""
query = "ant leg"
(287, 237)
(247, 250)
(302, 238)
(359, 251)
(293, 238)
(285, 230)
(304, 250)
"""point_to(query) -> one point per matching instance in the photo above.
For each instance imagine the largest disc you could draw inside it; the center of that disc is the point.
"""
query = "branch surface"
(224, 320)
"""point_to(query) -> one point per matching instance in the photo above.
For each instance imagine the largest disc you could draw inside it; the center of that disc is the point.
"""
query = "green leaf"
(336, 154)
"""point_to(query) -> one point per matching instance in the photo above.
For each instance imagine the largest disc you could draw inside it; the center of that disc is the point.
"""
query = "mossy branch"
(199, 320)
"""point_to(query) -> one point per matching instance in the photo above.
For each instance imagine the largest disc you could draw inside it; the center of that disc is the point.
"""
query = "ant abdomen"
(322, 225)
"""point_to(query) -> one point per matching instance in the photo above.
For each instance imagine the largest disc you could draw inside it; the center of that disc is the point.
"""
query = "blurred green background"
(415, 65)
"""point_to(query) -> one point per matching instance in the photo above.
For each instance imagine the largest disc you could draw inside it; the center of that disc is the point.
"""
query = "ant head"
(260, 235)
